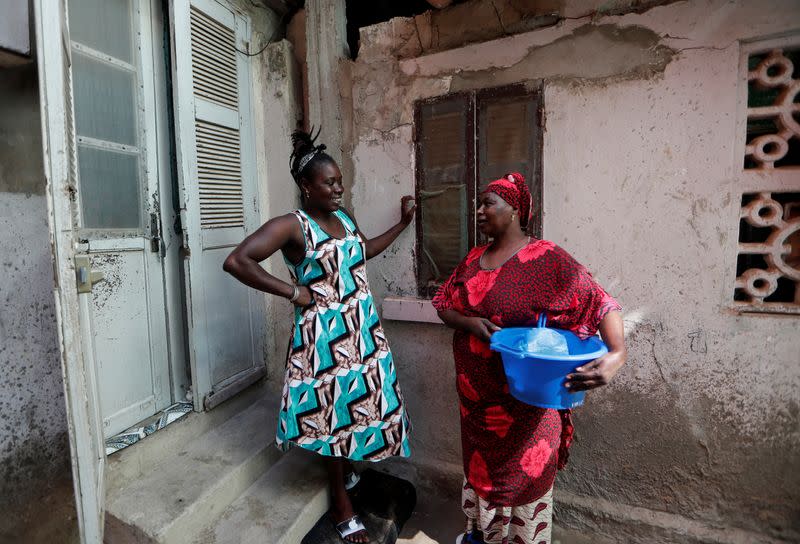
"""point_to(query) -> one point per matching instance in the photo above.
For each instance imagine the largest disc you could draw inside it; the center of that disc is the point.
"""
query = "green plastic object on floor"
(383, 502)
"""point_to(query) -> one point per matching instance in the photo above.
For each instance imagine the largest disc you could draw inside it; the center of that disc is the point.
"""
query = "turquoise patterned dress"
(340, 394)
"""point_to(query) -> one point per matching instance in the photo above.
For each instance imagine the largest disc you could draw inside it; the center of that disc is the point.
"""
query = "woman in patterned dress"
(512, 451)
(340, 398)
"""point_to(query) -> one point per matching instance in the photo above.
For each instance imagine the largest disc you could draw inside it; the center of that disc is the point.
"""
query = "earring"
(513, 217)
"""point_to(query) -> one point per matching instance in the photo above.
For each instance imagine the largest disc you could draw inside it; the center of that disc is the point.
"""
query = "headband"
(307, 158)
(304, 161)
(513, 189)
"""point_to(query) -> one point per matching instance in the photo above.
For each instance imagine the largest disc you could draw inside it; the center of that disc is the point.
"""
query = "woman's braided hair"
(305, 154)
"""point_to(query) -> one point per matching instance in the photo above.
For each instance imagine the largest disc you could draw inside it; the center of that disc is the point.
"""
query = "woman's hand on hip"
(481, 328)
(305, 298)
(597, 373)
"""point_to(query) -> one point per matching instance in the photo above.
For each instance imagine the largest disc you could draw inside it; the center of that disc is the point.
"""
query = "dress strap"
(305, 227)
(348, 223)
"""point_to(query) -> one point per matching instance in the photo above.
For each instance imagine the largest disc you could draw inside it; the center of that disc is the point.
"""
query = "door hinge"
(155, 233)
(85, 276)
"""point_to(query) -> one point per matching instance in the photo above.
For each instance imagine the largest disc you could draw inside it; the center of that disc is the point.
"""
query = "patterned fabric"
(525, 524)
(514, 190)
(340, 395)
(511, 451)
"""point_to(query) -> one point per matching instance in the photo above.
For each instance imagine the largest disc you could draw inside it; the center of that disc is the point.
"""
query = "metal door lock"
(84, 274)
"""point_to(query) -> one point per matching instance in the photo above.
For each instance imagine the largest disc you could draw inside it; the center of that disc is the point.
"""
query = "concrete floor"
(51, 519)
(439, 520)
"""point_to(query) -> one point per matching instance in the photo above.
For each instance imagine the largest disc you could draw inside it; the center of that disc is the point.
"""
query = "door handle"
(85, 276)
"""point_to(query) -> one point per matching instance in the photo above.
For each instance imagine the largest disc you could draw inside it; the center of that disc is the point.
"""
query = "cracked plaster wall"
(33, 427)
(440, 30)
(641, 184)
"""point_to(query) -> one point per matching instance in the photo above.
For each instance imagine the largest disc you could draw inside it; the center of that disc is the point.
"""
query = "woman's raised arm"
(376, 246)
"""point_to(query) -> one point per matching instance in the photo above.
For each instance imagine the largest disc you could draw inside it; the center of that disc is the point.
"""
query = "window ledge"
(418, 310)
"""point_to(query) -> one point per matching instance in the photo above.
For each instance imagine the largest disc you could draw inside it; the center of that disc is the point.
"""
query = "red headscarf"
(513, 189)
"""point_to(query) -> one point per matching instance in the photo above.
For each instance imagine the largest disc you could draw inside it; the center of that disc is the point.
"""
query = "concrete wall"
(698, 438)
(278, 109)
(33, 427)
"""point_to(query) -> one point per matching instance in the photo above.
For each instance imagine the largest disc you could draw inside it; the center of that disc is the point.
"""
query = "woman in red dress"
(511, 450)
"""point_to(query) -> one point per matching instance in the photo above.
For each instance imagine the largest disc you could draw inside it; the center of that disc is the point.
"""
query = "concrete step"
(279, 508)
(173, 501)
(130, 464)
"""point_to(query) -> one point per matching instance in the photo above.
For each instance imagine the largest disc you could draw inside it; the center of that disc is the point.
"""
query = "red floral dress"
(511, 451)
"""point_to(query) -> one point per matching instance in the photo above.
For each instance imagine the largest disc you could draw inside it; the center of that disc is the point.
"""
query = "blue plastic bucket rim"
(602, 349)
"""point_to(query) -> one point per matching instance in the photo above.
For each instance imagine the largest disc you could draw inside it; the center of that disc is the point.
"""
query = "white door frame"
(72, 310)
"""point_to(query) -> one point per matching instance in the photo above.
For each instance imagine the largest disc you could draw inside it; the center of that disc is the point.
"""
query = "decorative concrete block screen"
(768, 265)
(769, 253)
(773, 110)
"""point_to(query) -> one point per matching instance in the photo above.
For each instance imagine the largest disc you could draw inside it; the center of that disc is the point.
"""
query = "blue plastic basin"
(538, 379)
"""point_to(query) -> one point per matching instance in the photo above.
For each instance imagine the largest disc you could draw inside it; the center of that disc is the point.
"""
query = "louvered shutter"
(87, 448)
(216, 89)
(218, 193)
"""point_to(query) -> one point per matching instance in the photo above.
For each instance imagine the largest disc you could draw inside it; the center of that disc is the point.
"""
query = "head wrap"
(513, 189)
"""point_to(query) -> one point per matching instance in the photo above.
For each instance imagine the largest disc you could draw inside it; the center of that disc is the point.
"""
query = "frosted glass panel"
(105, 101)
(104, 25)
(109, 188)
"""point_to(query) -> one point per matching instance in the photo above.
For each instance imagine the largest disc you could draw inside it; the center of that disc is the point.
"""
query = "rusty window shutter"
(444, 189)
(464, 141)
(509, 140)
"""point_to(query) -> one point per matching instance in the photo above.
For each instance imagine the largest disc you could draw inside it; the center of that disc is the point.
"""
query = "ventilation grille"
(214, 74)
(219, 174)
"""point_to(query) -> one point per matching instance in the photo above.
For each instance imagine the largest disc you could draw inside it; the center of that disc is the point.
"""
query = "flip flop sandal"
(351, 480)
(349, 527)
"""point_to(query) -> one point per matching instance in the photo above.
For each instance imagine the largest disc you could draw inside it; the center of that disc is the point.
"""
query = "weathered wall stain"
(111, 266)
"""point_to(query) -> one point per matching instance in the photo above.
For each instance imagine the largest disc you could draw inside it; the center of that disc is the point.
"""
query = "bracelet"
(295, 294)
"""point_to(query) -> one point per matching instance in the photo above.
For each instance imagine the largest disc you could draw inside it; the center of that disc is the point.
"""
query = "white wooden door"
(117, 203)
(73, 315)
(218, 193)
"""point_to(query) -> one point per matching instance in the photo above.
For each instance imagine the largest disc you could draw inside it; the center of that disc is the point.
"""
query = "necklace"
(480, 261)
